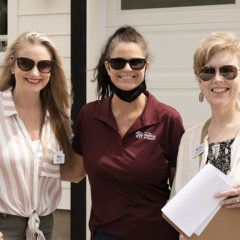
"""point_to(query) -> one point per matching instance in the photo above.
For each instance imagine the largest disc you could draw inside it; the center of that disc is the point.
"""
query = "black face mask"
(131, 95)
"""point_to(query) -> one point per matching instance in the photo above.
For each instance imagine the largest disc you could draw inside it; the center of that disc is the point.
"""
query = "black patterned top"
(219, 155)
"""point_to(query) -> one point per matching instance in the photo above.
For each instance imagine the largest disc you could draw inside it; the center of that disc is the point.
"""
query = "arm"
(172, 175)
(181, 237)
(180, 174)
(232, 197)
(76, 172)
(176, 131)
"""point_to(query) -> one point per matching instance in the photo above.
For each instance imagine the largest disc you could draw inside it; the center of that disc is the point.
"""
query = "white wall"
(51, 17)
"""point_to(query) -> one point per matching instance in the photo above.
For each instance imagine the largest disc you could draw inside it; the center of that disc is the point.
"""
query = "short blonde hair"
(216, 42)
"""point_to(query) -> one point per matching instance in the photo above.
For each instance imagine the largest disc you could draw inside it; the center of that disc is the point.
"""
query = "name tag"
(198, 150)
(59, 158)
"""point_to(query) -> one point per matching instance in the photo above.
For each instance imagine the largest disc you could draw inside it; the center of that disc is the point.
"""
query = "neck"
(119, 105)
(223, 116)
(224, 124)
(26, 100)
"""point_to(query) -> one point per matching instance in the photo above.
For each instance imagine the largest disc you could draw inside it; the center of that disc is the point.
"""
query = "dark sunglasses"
(229, 72)
(120, 63)
(27, 64)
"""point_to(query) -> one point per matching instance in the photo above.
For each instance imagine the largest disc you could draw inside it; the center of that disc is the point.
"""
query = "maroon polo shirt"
(129, 175)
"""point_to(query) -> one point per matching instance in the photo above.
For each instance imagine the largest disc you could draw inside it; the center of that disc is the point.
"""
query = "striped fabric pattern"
(30, 181)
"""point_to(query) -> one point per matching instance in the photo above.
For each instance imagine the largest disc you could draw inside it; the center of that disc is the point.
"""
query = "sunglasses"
(27, 64)
(120, 63)
(229, 72)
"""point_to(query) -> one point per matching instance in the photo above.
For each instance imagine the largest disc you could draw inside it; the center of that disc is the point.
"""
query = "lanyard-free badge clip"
(198, 150)
(59, 158)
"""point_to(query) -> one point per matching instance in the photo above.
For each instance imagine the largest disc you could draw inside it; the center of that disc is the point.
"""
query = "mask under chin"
(130, 95)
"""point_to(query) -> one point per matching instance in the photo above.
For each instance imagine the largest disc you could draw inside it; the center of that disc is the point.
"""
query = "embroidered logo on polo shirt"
(139, 134)
(145, 135)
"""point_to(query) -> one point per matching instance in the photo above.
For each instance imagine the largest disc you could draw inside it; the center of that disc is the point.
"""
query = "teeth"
(33, 80)
(218, 90)
(126, 77)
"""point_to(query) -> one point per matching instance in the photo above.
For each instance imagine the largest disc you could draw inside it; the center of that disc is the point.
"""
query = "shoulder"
(193, 134)
(90, 107)
(162, 109)
(95, 108)
(6, 100)
(6, 93)
(194, 129)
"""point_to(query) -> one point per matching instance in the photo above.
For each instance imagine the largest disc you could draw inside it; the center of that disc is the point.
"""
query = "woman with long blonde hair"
(35, 134)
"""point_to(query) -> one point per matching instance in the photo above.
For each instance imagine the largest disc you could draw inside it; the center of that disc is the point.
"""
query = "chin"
(127, 88)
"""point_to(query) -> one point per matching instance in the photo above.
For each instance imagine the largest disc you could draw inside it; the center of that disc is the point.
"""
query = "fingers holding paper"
(232, 197)
(181, 237)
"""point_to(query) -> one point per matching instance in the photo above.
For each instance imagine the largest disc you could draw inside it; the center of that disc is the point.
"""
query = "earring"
(201, 96)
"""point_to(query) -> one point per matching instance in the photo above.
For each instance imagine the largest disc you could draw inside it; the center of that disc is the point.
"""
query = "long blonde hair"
(55, 96)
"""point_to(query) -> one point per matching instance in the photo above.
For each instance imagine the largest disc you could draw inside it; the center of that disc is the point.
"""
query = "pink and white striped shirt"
(30, 184)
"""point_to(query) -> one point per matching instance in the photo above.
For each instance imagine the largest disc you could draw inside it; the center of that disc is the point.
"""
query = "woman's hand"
(181, 237)
(1, 236)
(76, 172)
(232, 197)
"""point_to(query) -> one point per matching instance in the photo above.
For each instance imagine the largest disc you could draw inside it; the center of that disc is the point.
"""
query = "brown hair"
(216, 42)
(122, 34)
(55, 96)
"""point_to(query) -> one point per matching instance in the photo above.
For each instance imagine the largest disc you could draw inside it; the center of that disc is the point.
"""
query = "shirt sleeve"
(179, 176)
(176, 131)
(187, 166)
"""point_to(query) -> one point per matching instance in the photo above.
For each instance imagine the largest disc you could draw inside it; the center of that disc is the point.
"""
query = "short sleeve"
(176, 131)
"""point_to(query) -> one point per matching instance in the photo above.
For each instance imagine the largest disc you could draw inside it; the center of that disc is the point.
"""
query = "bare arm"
(76, 172)
(181, 237)
(172, 175)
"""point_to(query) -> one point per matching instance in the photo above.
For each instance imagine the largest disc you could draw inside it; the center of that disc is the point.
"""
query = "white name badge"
(59, 158)
(198, 150)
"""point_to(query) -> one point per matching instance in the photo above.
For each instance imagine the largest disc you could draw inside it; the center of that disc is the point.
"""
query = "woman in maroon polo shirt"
(127, 143)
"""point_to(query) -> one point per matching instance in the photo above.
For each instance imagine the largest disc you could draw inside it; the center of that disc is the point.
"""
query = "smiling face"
(126, 78)
(33, 80)
(220, 92)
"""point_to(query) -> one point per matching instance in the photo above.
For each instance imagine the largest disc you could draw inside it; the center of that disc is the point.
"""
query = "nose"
(127, 67)
(35, 70)
(218, 77)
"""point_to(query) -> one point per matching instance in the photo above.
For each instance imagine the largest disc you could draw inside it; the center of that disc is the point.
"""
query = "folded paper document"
(193, 209)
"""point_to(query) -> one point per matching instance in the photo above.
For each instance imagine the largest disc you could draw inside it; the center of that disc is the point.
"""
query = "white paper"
(194, 205)
(200, 229)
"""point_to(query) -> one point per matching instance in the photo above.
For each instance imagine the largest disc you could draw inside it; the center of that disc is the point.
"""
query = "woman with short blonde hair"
(216, 66)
